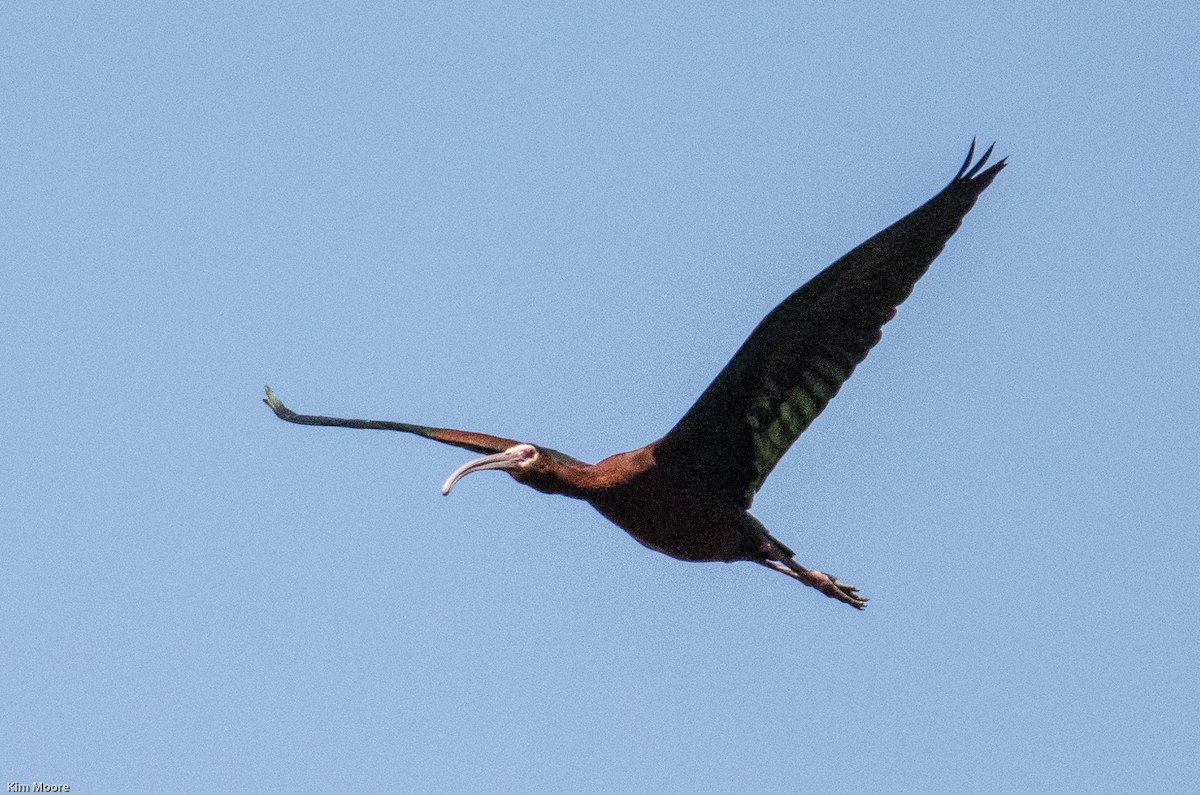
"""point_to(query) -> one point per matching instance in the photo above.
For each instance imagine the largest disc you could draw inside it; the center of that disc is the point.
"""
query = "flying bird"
(688, 494)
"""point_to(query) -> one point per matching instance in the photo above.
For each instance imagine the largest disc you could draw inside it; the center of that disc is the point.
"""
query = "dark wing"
(475, 442)
(801, 353)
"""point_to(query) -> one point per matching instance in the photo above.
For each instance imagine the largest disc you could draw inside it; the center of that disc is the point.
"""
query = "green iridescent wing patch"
(778, 415)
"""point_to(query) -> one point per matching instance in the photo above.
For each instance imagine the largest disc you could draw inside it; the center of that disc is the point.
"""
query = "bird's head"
(519, 460)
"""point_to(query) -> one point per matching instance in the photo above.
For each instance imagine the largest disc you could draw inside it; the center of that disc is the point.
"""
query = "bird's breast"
(685, 524)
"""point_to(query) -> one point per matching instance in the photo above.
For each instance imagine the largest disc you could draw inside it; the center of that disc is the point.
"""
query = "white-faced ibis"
(687, 495)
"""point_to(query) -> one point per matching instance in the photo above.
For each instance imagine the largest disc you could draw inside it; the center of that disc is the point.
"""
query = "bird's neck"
(589, 482)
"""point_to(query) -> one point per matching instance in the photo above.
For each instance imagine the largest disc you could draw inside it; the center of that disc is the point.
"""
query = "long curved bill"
(509, 459)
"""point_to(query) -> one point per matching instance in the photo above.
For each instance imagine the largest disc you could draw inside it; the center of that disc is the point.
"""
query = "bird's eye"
(524, 452)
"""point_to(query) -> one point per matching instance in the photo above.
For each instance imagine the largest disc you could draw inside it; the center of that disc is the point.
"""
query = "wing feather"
(475, 442)
(802, 352)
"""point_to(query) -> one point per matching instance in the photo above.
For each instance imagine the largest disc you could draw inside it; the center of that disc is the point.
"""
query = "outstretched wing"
(805, 349)
(475, 442)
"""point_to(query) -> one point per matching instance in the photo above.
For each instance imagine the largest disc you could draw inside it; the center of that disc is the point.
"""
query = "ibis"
(688, 494)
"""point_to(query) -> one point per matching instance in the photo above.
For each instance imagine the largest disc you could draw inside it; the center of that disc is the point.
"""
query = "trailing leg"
(824, 583)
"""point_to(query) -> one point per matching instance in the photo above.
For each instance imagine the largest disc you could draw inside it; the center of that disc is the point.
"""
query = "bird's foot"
(826, 584)
(843, 592)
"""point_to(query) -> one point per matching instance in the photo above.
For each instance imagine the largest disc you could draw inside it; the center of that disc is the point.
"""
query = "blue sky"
(556, 222)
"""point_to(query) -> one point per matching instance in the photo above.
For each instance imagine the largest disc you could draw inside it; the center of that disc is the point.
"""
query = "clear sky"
(556, 222)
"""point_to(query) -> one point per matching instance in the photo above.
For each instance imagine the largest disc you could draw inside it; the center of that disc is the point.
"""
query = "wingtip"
(274, 403)
(974, 170)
